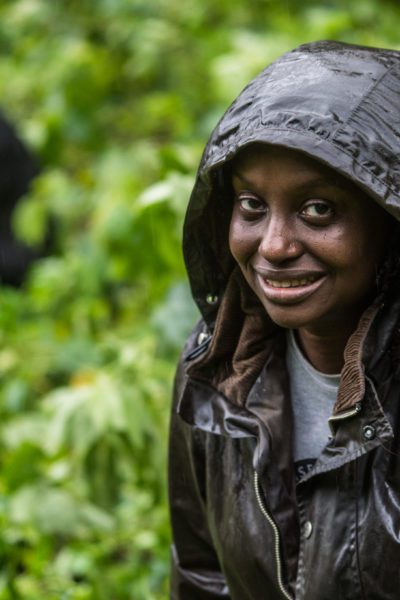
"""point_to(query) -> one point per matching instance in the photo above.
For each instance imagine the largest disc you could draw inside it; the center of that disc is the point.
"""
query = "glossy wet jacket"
(242, 529)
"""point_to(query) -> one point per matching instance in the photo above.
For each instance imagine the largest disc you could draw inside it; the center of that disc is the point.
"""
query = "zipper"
(276, 535)
(344, 415)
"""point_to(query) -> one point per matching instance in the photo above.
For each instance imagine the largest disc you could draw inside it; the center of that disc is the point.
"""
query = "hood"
(338, 103)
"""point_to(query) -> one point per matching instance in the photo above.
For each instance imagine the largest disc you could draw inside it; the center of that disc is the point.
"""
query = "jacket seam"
(355, 110)
(357, 531)
(339, 463)
(299, 583)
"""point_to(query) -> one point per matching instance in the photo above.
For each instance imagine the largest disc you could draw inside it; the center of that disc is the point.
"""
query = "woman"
(284, 447)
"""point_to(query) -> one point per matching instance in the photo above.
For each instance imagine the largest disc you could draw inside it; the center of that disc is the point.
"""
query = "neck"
(324, 352)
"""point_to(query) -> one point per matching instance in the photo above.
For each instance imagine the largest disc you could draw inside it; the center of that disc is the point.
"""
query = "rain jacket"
(241, 529)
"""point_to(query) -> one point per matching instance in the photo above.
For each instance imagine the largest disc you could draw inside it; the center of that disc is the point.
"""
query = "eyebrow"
(340, 182)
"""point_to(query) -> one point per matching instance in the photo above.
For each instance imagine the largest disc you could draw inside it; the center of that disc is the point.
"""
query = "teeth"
(288, 283)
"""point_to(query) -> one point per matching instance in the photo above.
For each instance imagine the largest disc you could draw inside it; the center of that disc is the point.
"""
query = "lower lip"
(289, 295)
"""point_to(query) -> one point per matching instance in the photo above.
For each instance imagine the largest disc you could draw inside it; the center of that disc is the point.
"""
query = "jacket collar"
(245, 339)
(352, 382)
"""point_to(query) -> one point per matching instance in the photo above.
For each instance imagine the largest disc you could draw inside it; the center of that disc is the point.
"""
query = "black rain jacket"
(241, 530)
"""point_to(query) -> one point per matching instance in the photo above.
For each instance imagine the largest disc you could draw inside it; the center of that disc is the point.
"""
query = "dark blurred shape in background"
(18, 167)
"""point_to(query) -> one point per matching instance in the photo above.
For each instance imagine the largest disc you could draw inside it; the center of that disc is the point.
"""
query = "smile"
(290, 290)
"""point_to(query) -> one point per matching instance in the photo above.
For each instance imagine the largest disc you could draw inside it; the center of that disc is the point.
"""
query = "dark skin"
(309, 243)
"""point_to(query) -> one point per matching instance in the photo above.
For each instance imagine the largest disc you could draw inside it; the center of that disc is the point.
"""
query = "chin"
(289, 323)
(293, 318)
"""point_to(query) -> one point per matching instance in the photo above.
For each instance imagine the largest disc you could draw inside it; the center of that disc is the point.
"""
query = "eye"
(318, 212)
(251, 204)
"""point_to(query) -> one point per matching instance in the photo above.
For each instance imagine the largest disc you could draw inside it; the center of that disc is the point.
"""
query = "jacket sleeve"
(195, 572)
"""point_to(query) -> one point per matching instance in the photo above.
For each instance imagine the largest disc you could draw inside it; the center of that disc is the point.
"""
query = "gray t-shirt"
(313, 396)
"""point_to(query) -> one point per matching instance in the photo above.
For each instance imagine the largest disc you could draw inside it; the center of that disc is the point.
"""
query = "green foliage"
(117, 98)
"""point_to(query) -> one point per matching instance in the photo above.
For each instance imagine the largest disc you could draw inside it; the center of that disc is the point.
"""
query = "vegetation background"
(117, 98)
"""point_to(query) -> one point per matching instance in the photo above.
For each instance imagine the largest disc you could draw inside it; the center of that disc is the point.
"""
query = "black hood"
(338, 103)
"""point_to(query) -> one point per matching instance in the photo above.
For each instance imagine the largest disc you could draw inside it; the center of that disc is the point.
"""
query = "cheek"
(240, 242)
(356, 257)
(367, 247)
(349, 248)
(370, 235)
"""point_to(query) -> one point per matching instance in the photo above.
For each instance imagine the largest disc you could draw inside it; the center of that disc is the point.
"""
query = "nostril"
(280, 248)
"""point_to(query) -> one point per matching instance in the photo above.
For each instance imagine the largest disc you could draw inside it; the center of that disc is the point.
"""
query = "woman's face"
(307, 240)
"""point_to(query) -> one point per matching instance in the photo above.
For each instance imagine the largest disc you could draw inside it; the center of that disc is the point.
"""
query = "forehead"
(260, 160)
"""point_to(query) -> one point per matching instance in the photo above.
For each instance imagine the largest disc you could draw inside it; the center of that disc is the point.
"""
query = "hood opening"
(337, 103)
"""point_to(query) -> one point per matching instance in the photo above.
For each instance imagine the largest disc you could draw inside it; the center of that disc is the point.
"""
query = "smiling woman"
(309, 244)
(285, 432)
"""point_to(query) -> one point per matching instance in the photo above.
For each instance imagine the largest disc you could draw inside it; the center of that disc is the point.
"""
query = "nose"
(279, 241)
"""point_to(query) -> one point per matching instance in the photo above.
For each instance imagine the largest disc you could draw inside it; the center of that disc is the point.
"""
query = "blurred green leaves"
(117, 97)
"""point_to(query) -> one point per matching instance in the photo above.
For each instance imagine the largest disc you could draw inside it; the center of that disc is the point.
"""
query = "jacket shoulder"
(195, 345)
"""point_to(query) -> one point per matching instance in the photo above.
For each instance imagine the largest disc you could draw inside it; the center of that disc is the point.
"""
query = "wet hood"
(338, 103)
